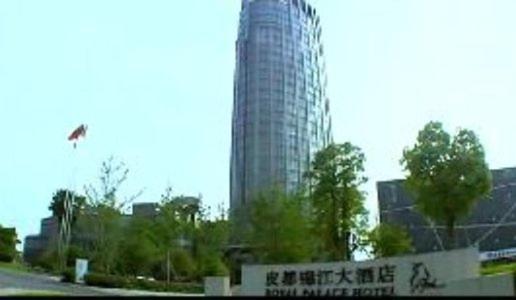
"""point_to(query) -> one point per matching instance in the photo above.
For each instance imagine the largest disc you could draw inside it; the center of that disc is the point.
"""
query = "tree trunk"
(335, 231)
(168, 267)
(347, 247)
(450, 229)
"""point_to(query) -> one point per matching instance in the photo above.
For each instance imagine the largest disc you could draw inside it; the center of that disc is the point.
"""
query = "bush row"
(68, 275)
(114, 281)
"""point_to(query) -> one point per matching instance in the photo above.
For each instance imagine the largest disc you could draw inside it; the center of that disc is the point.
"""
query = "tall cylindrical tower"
(281, 110)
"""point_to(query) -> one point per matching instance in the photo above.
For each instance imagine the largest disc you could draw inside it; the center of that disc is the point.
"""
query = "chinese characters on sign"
(367, 281)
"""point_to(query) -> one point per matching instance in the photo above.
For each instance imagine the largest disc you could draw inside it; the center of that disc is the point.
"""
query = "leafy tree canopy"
(389, 240)
(279, 229)
(334, 181)
(57, 205)
(446, 176)
(8, 241)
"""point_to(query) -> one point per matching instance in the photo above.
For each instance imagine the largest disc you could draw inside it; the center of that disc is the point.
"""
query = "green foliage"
(337, 202)
(498, 268)
(279, 229)
(14, 266)
(102, 221)
(211, 237)
(213, 266)
(68, 275)
(139, 246)
(103, 226)
(183, 264)
(74, 252)
(389, 240)
(33, 293)
(48, 260)
(112, 281)
(57, 206)
(159, 286)
(139, 238)
(112, 175)
(446, 176)
(8, 241)
(107, 281)
(171, 224)
(184, 219)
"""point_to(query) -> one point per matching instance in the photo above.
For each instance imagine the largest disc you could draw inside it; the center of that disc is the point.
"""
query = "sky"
(153, 80)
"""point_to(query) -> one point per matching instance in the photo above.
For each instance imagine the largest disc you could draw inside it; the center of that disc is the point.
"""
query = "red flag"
(78, 132)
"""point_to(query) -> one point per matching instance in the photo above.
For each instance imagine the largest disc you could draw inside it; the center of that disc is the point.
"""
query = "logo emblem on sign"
(422, 280)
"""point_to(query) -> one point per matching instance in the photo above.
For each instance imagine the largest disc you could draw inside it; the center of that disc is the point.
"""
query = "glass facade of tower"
(280, 110)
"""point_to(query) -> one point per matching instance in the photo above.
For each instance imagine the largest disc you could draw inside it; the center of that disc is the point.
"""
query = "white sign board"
(401, 275)
(81, 268)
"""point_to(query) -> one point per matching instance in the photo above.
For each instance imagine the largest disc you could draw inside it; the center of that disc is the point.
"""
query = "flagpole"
(65, 228)
(66, 222)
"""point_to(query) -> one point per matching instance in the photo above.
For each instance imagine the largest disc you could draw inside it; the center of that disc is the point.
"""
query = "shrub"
(74, 252)
(8, 241)
(183, 263)
(48, 260)
(68, 275)
(185, 287)
(108, 281)
(160, 286)
(213, 266)
(113, 281)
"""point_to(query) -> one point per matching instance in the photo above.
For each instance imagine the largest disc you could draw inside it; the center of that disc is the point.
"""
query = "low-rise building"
(145, 209)
(36, 244)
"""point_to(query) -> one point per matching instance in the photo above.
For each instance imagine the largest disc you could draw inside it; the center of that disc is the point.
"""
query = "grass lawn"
(30, 293)
(14, 267)
(498, 269)
(39, 294)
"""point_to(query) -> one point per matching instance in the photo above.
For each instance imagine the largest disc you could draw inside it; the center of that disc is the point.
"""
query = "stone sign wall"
(404, 275)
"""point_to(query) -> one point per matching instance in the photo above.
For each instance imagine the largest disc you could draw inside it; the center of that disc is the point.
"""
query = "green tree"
(57, 204)
(49, 259)
(446, 176)
(183, 263)
(211, 238)
(167, 223)
(337, 202)
(74, 252)
(389, 240)
(137, 249)
(175, 229)
(8, 241)
(279, 229)
(112, 175)
(102, 223)
(99, 232)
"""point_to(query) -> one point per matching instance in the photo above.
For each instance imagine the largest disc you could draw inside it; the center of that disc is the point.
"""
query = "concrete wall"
(217, 286)
(495, 285)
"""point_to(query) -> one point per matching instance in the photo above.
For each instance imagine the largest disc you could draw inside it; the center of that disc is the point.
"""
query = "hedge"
(113, 281)
(498, 268)
(68, 275)
(108, 281)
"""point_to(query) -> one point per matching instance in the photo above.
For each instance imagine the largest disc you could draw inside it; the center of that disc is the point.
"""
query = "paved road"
(10, 280)
(13, 282)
